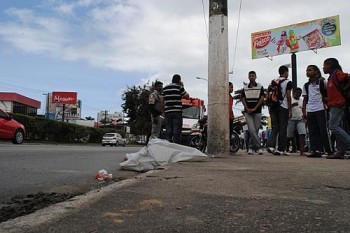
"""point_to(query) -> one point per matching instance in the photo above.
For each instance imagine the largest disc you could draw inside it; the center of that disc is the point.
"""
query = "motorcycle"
(199, 136)
(235, 140)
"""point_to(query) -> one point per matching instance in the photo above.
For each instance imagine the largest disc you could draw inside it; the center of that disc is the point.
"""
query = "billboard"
(105, 118)
(71, 112)
(315, 34)
(64, 97)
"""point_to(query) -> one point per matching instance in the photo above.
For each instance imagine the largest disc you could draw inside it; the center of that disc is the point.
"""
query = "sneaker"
(250, 152)
(319, 152)
(337, 155)
(270, 150)
(278, 153)
(285, 153)
(260, 152)
(314, 154)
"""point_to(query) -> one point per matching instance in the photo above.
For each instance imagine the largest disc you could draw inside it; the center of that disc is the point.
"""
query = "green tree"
(136, 108)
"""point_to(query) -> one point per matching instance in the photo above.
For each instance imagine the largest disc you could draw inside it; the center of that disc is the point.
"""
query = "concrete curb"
(62, 209)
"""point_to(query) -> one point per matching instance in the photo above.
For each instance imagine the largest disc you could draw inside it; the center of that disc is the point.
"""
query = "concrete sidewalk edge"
(61, 209)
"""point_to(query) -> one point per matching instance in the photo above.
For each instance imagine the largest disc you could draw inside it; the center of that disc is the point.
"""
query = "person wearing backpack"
(280, 111)
(252, 99)
(314, 111)
(338, 83)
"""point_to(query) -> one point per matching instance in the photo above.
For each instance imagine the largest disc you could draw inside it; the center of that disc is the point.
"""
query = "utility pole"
(47, 107)
(294, 71)
(63, 112)
(218, 88)
(105, 118)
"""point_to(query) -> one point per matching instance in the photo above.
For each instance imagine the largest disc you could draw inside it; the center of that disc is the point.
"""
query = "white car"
(113, 139)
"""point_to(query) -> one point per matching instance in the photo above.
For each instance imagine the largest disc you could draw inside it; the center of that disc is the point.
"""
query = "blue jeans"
(335, 122)
(173, 126)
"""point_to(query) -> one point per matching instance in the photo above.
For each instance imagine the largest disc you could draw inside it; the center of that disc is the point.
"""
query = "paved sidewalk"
(229, 193)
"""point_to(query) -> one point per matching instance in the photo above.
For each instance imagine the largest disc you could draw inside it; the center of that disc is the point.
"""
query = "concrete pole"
(218, 88)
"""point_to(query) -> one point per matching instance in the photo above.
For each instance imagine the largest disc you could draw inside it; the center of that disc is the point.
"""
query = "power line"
(238, 23)
(205, 21)
(19, 88)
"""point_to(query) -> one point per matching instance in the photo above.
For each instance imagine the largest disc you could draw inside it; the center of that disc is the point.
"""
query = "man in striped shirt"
(173, 93)
(252, 99)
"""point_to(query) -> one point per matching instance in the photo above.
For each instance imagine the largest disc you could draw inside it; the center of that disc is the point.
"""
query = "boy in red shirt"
(336, 105)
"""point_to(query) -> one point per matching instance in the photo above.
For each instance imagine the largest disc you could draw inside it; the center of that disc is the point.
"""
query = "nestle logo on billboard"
(64, 97)
(261, 42)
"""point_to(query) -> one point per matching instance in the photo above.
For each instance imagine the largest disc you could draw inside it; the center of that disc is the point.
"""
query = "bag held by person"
(274, 93)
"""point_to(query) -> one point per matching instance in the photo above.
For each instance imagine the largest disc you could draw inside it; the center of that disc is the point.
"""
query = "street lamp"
(47, 105)
(202, 78)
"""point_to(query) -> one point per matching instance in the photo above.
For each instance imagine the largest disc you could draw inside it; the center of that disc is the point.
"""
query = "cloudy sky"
(99, 47)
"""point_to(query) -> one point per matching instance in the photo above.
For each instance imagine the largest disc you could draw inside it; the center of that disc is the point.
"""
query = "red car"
(11, 129)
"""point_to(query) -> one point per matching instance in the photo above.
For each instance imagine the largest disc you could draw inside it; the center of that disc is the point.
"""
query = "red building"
(16, 103)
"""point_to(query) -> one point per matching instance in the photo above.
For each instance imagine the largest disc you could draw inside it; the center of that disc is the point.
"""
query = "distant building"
(16, 103)
(88, 123)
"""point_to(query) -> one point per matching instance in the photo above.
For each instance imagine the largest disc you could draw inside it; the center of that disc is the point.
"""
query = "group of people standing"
(323, 111)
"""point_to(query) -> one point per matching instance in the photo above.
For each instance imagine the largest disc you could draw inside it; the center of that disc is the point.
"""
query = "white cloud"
(160, 37)
(65, 9)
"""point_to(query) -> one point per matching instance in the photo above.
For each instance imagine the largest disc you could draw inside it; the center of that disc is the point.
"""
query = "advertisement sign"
(64, 97)
(315, 34)
(71, 112)
(105, 118)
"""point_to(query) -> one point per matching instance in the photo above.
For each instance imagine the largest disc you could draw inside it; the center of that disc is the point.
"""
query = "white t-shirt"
(297, 111)
(315, 97)
(284, 103)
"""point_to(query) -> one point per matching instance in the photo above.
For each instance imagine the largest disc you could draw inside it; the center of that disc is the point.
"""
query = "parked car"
(11, 129)
(113, 139)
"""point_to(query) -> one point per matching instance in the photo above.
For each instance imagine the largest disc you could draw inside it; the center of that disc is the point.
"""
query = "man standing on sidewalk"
(155, 102)
(252, 99)
(280, 114)
(173, 93)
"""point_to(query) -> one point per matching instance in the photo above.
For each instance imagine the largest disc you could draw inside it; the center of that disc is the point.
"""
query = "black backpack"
(274, 93)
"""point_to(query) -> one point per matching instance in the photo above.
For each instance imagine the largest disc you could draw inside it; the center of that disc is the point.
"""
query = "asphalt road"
(31, 168)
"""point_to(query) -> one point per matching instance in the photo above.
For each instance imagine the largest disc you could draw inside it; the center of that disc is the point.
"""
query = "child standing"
(297, 120)
(314, 93)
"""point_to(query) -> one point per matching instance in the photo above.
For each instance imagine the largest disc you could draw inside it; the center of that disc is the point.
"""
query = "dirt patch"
(23, 205)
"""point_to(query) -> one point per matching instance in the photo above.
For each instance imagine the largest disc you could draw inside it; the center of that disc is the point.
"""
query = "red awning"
(14, 97)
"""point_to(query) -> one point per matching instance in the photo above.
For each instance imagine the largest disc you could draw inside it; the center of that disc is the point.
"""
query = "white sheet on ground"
(158, 153)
